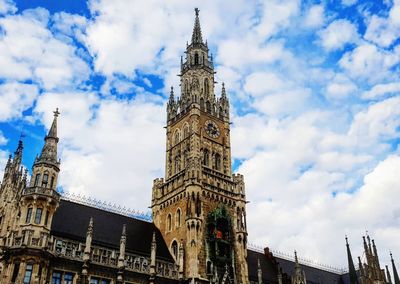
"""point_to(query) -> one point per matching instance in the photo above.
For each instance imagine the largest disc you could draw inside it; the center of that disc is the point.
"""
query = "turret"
(352, 269)
(298, 277)
(395, 274)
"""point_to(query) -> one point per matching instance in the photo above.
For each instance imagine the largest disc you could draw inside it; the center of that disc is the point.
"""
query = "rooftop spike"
(196, 36)
(395, 274)
(389, 278)
(223, 92)
(49, 151)
(53, 129)
(352, 269)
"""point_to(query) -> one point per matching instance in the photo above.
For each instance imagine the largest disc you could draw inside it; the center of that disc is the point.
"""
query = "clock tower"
(199, 206)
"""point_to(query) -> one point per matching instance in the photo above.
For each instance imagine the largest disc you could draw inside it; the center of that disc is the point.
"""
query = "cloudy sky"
(314, 88)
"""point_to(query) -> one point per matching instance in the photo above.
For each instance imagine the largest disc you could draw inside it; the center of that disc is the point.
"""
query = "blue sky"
(314, 88)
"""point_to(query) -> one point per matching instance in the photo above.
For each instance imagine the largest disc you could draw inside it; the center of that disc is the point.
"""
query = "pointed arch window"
(52, 182)
(177, 137)
(178, 218)
(174, 248)
(206, 157)
(217, 162)
(196, 59)
(202, 104)
(169, 223)
(206, 86)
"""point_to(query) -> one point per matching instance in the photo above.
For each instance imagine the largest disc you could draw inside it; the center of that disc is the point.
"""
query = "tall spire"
(352, 269)
(196, 36)
(49, 151)
(389, 278)
(395, 274)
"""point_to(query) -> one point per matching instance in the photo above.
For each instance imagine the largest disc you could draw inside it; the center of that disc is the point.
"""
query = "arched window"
(174, 248)
(176, 137)
(208, 107)
(206, 157)
(196, 59)
(217, 162)
(186, 86)
(206, 86)
(169, 222)
(178, 163)
(178, 218)
(37, 179)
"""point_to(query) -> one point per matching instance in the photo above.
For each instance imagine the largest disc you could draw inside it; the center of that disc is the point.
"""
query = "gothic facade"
(198, 233)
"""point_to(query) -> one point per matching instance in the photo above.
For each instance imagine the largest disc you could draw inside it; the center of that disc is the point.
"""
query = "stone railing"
(108, 257)
(48, 192)
(27, 239)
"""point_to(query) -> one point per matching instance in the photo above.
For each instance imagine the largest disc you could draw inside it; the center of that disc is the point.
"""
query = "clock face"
(212, 129)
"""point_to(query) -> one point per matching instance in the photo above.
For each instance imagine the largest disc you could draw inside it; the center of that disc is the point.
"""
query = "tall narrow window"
(202, 104)
(28, 215)
(28, 274)
(46, 218)
(178, 218)
(206, 157)
(217, 162)
(196, 59)
(169, 222)
(208, 107)
(206, 86)
(38, 215)
(37, 178)
(56, 279)
(52, 182)
(45, 180)
(15, 272)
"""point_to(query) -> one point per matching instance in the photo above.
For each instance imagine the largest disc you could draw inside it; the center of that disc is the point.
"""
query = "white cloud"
(7, 6)
(368, 62)
(15, 98)
(29, 51)
(315, 16)
(381, 90)
(338, 34)
(384, 31)
(340, 87)
(3, 140)
(262, 83)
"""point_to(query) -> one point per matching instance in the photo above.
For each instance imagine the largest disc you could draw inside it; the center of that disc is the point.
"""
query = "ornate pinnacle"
(223, 92)
(171, 94)
(196, 37)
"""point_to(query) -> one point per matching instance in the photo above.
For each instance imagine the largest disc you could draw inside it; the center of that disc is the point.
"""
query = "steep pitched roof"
(71, 221)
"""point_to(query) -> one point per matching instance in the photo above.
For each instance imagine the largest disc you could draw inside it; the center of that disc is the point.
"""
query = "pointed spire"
(395, 274)
(360, 267)
(53, 128)
(171, 95)
(223, 92)
(352, 269)
(196, 37)
(389, 278)
(18, 155)
(8, 163)
(49, 151)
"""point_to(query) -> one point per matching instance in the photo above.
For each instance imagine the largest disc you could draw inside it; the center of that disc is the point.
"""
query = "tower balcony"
(38, 191)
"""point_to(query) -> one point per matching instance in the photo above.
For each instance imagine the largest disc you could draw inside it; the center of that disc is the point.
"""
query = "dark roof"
(71, 221)
(268, 267)
(313, 274)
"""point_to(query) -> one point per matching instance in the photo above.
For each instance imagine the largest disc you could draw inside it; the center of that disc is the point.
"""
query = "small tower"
(299, 276)
(37, 206)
